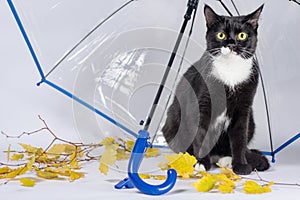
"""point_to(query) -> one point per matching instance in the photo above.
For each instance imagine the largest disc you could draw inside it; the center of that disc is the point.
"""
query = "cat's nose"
(232, 47)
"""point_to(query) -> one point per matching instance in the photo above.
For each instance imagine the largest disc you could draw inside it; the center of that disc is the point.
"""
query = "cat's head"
(231, 35)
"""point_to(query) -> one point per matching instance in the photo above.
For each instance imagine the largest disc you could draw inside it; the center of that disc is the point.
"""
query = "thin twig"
(266, 181)
(24, 133)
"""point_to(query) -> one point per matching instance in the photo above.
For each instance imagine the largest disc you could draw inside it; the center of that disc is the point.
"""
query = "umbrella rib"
(237, 11)
(295, 2)
(86, 36)
(225, 7)
(178, 71)
(267, 113)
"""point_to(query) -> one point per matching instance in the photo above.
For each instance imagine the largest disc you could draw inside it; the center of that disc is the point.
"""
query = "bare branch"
(267, 181)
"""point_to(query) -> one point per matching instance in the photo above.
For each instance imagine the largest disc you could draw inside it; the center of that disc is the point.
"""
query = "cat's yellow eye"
(221, 35)
(242, 36)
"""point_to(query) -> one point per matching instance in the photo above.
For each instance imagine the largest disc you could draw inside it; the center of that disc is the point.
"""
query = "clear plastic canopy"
(112, 55)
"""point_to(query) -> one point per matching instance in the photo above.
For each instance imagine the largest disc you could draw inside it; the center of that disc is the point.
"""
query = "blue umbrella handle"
(136, 158)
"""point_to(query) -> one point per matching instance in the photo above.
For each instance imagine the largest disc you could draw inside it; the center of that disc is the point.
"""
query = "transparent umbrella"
(110, 57)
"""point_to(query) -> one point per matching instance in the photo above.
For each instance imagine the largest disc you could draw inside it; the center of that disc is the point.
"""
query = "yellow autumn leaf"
(46, 175)
(205, 184)
(61, 171)
(111, 154)
(159, 177)
(8, 153)
(173, 157)
(5, 170)
(31, 150)
(144, 176)
(182, 163)
(103, 168)
(43, 158)
(27, 182)
(31, 162)
(223, 179)
(223, 183)
(79, 152)
(16, 172)
(224, 188)
(163, 166)
(57, 149)
(75, 175)
(152, 152)
(122, 154)
(66, 167)
(129, 145)
(252, 187)
(74, 161)
(17, 156)
(56, 165)
(109, 157)
(229, 173)
(69, 149)
(107, 141)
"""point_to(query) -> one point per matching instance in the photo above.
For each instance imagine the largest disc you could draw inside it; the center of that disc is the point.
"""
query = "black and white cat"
(211, 114)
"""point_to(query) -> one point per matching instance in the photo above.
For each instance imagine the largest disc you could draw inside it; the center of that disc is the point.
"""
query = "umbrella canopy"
(110, 56)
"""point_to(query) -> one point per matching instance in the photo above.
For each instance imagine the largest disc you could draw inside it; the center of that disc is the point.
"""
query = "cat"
(211, 114)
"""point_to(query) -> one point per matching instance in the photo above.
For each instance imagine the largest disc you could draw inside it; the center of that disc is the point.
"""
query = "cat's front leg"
(237, 132)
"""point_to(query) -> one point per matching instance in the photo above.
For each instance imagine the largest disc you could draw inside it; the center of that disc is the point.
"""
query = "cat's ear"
(254, 17)
(210, 16)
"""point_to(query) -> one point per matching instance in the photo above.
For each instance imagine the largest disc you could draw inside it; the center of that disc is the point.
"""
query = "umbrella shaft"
(191, 6)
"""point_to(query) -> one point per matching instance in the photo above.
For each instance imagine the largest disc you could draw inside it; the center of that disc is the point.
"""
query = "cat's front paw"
(242, 169)
(203, 164)
(257, 160)
(262, 164)
(225, 162)
(199, 167)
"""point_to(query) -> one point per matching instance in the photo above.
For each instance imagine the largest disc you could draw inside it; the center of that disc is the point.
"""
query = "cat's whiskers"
(214, 51)
(246, 54)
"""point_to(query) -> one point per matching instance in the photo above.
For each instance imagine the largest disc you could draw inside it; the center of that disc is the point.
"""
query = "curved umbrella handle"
(136, 158)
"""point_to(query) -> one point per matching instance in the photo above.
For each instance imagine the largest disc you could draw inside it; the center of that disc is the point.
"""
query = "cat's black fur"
(200, 98)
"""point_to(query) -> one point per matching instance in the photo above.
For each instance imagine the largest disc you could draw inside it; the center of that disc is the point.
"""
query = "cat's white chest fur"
(231, 68)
